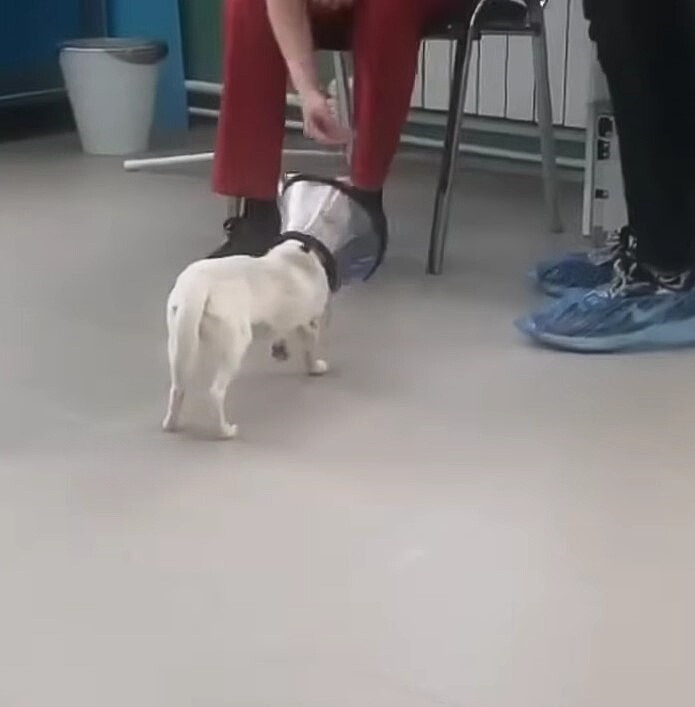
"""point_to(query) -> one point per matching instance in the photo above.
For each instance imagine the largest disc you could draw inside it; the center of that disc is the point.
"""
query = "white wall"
(502, 84)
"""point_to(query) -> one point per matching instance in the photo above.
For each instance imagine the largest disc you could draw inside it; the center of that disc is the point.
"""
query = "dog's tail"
(184, 318)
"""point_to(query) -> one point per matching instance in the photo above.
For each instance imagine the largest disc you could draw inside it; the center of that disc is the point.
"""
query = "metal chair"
(492, 17)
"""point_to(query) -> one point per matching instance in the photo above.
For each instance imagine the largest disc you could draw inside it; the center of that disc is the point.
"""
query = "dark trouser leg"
(647, 52)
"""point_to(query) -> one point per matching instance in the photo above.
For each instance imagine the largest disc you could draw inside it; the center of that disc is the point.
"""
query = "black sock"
(261, 210)
(262, 213)
(372, 200)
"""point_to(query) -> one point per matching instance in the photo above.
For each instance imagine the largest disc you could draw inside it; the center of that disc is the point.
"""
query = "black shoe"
(252, 234)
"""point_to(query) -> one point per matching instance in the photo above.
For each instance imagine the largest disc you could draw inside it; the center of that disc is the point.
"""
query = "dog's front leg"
(309, 336)
(171, 421)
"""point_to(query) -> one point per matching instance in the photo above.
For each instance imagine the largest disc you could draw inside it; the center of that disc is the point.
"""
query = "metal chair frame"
(535, 28)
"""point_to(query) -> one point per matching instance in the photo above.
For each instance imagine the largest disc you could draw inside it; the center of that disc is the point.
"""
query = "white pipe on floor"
(171, 161)
(477, 150)
(311, 153)
(215, 89)
(204, 112)
(207, 87)
(135, 165)
(214, 113)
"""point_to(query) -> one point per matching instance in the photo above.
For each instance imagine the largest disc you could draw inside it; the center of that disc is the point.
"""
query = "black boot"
(253, 233)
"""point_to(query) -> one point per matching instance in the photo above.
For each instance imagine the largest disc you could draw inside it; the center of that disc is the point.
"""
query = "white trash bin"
(112, 86)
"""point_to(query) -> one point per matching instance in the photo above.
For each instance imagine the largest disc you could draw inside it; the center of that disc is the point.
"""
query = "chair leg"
(442, 204)
(343, 97)
(547, 131)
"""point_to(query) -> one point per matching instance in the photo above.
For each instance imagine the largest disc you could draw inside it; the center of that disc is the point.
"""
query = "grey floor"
(452, 517)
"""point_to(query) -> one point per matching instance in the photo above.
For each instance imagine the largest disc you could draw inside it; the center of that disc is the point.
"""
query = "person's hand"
(320, 121)
(331, 4)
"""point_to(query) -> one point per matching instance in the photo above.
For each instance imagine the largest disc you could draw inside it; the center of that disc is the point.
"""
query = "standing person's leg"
(648, 55)
(645, 55)
(386, 41)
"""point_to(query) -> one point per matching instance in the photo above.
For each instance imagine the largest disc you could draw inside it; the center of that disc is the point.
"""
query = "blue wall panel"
(156, 19)
(30, 31)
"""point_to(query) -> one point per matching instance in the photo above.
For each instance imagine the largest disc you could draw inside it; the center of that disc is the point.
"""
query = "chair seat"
(496, 16)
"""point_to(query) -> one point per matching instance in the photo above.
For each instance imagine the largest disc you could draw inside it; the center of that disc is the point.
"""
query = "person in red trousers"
(268, 40)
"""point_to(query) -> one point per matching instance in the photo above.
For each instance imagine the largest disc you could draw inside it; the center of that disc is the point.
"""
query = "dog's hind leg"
(309, 336)
(237, 340)
(176, 391)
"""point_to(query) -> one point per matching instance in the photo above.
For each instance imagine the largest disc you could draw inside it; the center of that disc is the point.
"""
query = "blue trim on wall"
(157, 19)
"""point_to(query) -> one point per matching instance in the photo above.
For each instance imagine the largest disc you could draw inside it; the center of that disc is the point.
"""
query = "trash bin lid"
(131, 50)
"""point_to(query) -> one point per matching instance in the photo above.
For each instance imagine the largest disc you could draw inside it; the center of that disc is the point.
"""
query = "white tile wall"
(492, 81)
(501, 84)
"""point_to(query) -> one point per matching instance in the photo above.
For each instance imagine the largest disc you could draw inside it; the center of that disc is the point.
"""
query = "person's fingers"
(321, 123)
(322, 136)
(331, 129)
(327, 134)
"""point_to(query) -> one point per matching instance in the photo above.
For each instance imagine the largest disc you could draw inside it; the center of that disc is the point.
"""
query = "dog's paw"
(280, 351)
(318, 368)
(229, 431)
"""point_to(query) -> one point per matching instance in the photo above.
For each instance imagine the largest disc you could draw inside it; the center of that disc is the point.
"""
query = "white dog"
(223, 303)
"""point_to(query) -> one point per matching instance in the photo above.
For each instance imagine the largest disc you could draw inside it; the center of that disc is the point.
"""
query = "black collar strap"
(314, 245)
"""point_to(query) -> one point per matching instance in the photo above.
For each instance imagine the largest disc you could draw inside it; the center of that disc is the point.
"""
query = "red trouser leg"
(248, 155)
(385, 36)
(252, 112)
(386, 42)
